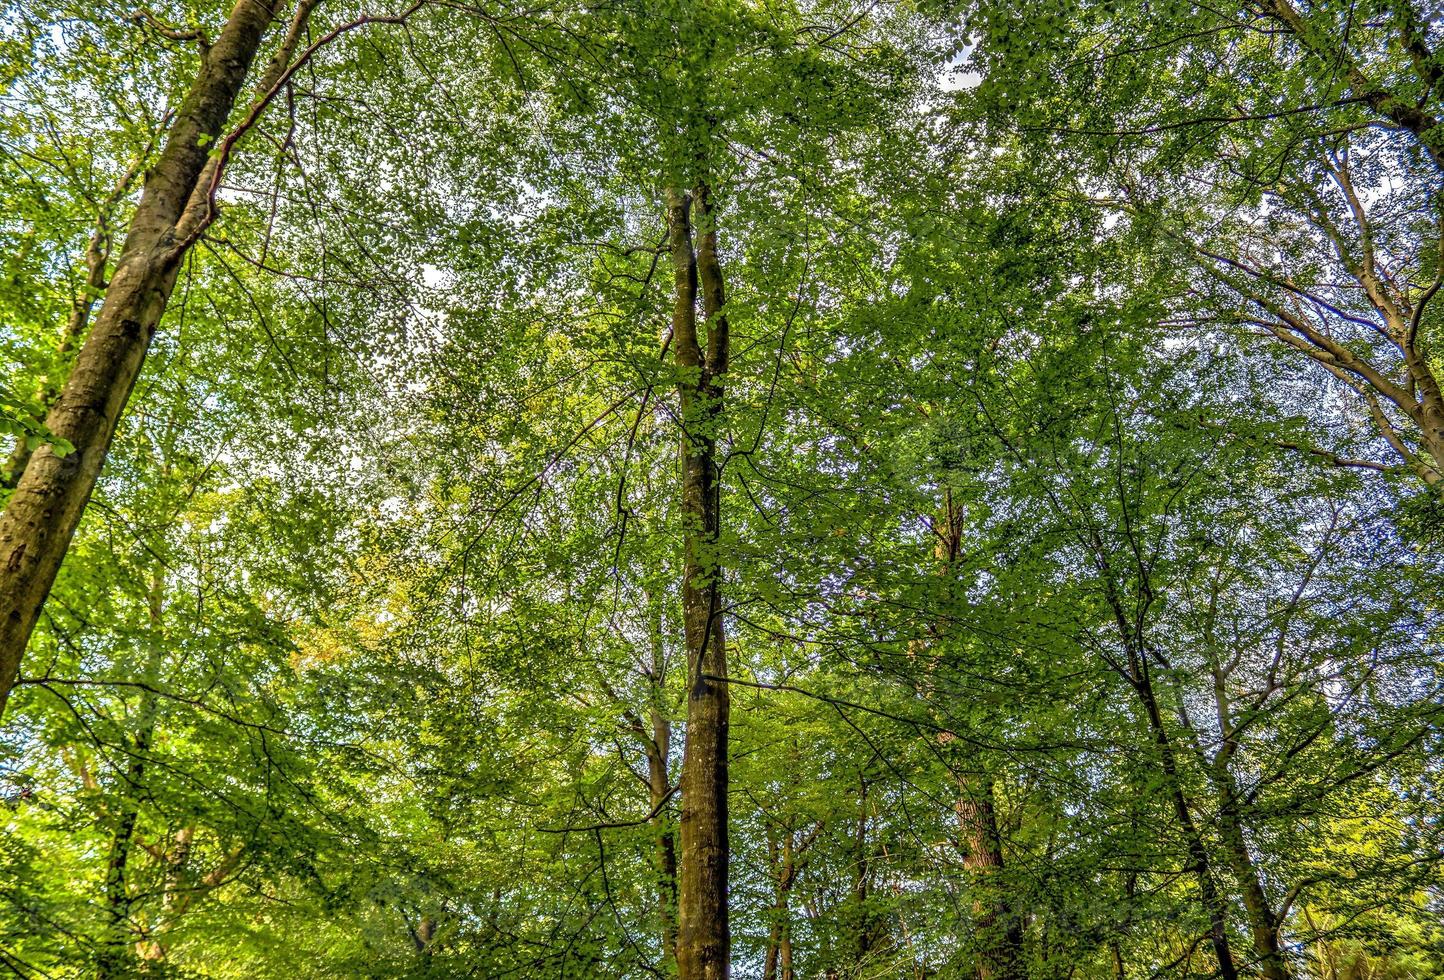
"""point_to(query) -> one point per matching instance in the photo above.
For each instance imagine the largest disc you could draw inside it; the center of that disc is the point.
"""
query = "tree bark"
(82, 304)
(786, 857)
(999, 932)
(868, 928)
(1263, 921)
(704, 939)
(1199, 864)
(1139, 677)
(176, 858)
(774, 947)
(114, 957)
(779, 862)
(659, 786)
(51, 494)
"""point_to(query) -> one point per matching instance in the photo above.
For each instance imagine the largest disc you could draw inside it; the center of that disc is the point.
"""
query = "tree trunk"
(113, 958)
(174, 895)
(659, 787)
(1000, 934)
(783, 856)
(774, 934)
(1263, 922)
(869, 928)
(1429, 413)
(1131, 636)
(1197, 853)
(777, 964)
(41, 517)
(704, 941)
(774, 949)
(97, 255)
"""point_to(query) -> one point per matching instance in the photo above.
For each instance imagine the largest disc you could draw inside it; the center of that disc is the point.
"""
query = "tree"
(1288, 156)
(795, 490)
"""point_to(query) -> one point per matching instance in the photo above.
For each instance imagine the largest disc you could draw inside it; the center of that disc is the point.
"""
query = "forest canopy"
(780, 489)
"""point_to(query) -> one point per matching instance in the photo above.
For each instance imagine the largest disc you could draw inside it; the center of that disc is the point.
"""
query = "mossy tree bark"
(703, 936)
(175, 206)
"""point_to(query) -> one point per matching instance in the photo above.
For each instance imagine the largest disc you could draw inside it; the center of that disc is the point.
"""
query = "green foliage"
(367, 660)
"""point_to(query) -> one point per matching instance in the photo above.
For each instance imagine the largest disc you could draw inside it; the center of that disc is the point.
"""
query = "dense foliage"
(716, 488)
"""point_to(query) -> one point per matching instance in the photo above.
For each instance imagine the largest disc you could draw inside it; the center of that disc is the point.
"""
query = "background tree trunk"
(659, 788)
(1199, 864)
(1262, 921)
(999, 932)
(114, 958)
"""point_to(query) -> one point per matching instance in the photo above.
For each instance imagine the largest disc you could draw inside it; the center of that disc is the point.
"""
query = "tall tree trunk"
(704, 939)
(1139, 677)
(774, 933)
(784, 858)
(869, 927)
(659, 787)
(174, 895)
(114, 957)
(1263, 921)
(51, 494)
(1198, 863)
(999, 932)
(774, 948)
(777, 964)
